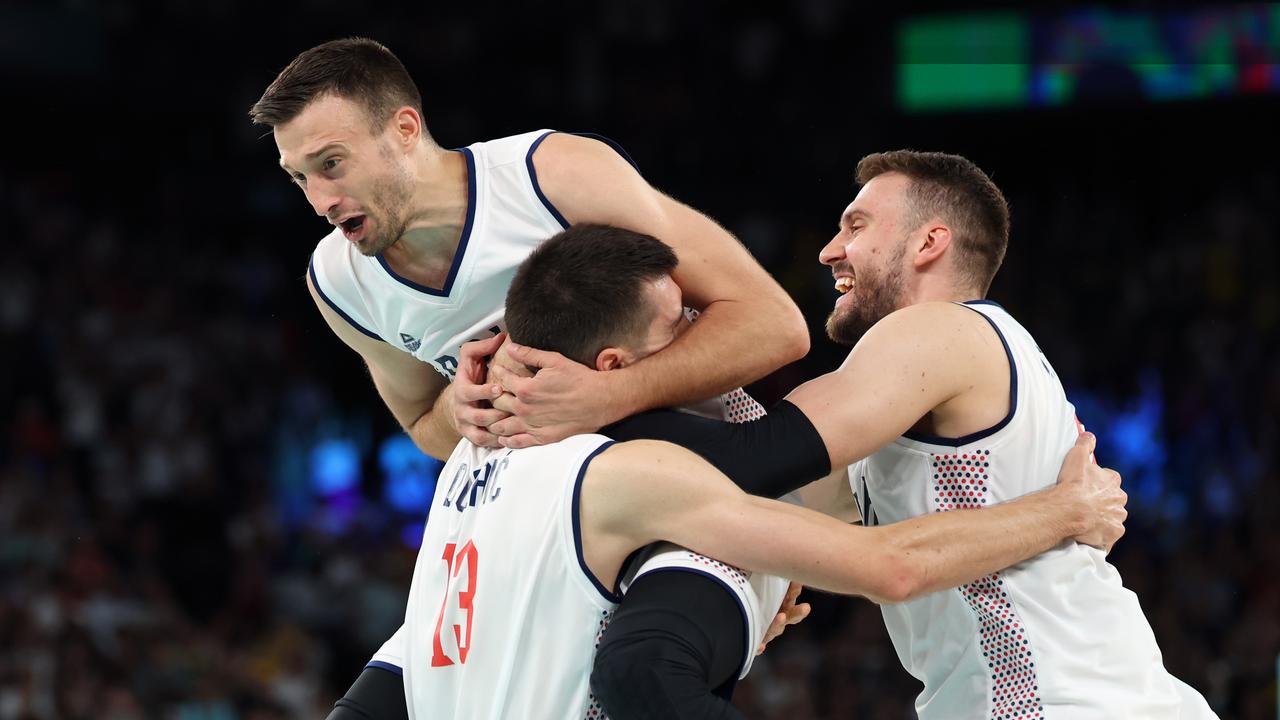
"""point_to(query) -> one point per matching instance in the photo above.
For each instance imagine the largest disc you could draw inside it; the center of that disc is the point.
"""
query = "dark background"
(164, 379)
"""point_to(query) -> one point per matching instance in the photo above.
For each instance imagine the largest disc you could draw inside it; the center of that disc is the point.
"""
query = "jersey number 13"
(469, 556)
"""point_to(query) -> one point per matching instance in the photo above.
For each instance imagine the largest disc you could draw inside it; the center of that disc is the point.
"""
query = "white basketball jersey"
(507, 218)
(1055, 637)
(503, 617)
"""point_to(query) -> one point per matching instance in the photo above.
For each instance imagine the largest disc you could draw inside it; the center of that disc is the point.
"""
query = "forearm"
(948, 549)
(731, 345)
(769, 457)
(433, 433)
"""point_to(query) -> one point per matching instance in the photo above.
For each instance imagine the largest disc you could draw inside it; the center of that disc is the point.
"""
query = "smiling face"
(867, 257)
(360, 180)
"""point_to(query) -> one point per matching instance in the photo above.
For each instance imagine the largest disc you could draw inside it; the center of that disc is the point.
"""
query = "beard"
(874, 296)
(388, 208)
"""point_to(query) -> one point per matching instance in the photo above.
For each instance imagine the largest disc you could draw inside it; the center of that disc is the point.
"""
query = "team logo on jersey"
(411, 343)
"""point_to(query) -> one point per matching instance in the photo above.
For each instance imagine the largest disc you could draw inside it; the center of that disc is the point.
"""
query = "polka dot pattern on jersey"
(739, 407)
(961, 481)
(737, 575)
(594, 711)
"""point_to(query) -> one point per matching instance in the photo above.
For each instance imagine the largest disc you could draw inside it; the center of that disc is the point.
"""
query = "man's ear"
(612, 358)
(932, 245)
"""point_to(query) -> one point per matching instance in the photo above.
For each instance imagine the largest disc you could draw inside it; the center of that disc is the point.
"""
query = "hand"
(789, 614)
(503, 366)
(1096, 492)
(562, 398)
(469, 397)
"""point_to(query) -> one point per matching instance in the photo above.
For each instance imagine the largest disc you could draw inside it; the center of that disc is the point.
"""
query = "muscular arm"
(639, 492)
(916, 361)
(770, 457)
(410, 388)
(749, 325)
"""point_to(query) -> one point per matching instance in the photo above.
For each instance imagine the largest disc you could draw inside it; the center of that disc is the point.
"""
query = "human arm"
(418, 397)
(922, 359)
(770, 456)
(749, 326)
(674, 649)
(638, 492)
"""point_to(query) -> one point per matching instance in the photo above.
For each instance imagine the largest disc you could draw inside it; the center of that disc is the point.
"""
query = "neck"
(929, 287)
(434, 228)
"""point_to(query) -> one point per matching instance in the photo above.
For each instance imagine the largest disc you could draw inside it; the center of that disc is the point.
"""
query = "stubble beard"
(873, 298)
(389, 207)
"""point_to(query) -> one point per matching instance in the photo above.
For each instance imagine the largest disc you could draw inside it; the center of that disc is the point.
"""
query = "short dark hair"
(582, 290)
(954, 189)
(357, 69)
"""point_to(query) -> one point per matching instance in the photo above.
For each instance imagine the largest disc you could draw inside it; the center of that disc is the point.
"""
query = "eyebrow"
(312, 155)
(849, 217)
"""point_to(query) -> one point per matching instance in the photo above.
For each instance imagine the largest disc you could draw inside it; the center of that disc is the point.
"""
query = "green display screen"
(1010, 59)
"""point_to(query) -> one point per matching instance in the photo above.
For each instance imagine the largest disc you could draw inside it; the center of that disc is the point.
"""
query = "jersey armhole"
(1013, 397)
(533, 173)
(575, 507)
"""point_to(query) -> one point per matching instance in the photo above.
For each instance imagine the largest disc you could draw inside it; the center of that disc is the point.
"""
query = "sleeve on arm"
(771, 456)
(672, 651)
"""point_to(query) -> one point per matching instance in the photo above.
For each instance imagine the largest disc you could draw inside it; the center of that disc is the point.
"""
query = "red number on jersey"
(466, 597)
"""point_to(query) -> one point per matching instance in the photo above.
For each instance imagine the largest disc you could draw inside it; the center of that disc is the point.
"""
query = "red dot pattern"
(741, 407)
(960, 480)
(732, 573)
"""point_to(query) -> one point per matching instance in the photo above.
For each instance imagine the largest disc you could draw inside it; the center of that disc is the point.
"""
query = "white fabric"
(506, 521)
(1056, 637)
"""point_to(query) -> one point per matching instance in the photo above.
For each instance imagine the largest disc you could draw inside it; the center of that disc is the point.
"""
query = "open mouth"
(353, 227)
(844, 285)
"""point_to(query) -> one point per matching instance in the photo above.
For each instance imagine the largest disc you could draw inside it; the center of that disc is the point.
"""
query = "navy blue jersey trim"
(746, 619)
(605, 592)
(613, 144)
(982, 302)
(533, 178)
(533, 174)
(1013, 395)
(384, 666)
(311, 270)
(462, 242)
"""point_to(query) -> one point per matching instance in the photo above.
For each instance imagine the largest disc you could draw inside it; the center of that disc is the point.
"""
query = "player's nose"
(833, 252)
(322, 197)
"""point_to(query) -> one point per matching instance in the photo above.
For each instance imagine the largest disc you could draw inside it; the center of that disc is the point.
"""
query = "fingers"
(518, 442)
(798, 613)
(465, 392)
(509, 426)
(481, 417)
(519, 386)
(1087, 442)
(508, 403)
(476, 349)
(480, 436)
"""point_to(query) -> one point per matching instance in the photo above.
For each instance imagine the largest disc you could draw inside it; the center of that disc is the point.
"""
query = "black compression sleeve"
(673, 650)
(377, 694)
(771, 456)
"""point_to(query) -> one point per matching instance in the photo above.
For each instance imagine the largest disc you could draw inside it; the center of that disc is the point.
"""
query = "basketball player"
(519, 563)
(953, 406)
(426, 241)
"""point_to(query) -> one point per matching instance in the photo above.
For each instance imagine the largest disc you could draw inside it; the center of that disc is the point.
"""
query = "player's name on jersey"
(475, 487)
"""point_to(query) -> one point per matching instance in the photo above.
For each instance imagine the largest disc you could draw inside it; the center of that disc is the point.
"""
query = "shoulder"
(513, 148)
(927, 324)
(559, 155)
